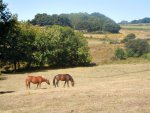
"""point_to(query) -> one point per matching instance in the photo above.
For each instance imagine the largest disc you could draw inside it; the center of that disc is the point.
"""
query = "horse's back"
(33, 79)
(62, 77)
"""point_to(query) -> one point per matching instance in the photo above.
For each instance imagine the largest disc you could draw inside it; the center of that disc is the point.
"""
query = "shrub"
(137, 47)
(130, 53)
(147, 56)
(120, 53)
(130, 36)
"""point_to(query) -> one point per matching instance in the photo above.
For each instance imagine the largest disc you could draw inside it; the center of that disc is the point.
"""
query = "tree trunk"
(29, 65)
(15, 66)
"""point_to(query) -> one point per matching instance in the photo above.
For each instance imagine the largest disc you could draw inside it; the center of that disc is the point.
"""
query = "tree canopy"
(8, 35)
(79, 21)
(49, 20)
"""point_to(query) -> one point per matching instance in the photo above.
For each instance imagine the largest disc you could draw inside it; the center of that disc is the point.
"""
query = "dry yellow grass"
(143, 34)
(102, 52)
(101, 89)
(99, 36)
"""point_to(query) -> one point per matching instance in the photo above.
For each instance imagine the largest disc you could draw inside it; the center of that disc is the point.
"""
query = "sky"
(117, 10)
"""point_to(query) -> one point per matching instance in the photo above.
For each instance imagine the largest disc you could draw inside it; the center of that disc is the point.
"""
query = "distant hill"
(94, 22)
(140, 21)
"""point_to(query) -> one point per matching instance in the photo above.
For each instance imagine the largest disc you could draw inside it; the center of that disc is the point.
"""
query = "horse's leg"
(37, 85)
(57, 83)
(26, 82)
(68, 83)
(64, 83)
(40, 84)
(29, 84)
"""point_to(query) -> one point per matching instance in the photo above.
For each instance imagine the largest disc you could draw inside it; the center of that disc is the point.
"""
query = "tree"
(5, 26)
(67, 47)
(13, 43)
(49, 20)
(111, 27)
(58, 46)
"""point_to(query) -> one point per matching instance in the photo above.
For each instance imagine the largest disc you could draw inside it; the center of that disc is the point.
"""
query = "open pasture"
(100, 89)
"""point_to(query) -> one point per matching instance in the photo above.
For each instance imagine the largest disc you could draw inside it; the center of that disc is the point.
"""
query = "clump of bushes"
(129, 37)
(134, 48)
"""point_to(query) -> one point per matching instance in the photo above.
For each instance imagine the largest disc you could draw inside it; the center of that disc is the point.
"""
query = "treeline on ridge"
(94, 22)
(140, 21)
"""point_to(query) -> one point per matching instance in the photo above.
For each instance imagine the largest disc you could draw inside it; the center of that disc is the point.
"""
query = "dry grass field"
(141, 31)
(143, 34)
(113, 88)
(100, 89)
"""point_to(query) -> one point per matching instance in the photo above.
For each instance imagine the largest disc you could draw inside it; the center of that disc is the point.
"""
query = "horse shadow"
(4, 92)
(43, 88)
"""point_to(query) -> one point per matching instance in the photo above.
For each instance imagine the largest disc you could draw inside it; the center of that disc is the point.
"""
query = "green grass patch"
(136, 26)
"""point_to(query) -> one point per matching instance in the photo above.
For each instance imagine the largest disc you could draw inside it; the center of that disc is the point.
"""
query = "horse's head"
(72, 83)
(47, 81)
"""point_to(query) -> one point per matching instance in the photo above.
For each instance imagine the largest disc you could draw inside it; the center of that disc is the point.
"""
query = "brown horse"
(36, 80)
(63, 77)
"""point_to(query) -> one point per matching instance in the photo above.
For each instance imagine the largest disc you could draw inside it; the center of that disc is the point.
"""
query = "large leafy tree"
(5, 24)
(60, 46)
(11, 41)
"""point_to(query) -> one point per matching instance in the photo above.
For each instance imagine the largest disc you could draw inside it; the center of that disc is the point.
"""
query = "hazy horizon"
(117, 10)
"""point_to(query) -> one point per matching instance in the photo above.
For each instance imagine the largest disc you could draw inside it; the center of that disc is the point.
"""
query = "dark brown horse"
(36, 80)
(63, 77)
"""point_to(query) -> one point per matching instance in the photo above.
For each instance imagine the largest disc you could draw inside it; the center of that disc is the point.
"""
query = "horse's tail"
(54, 81)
